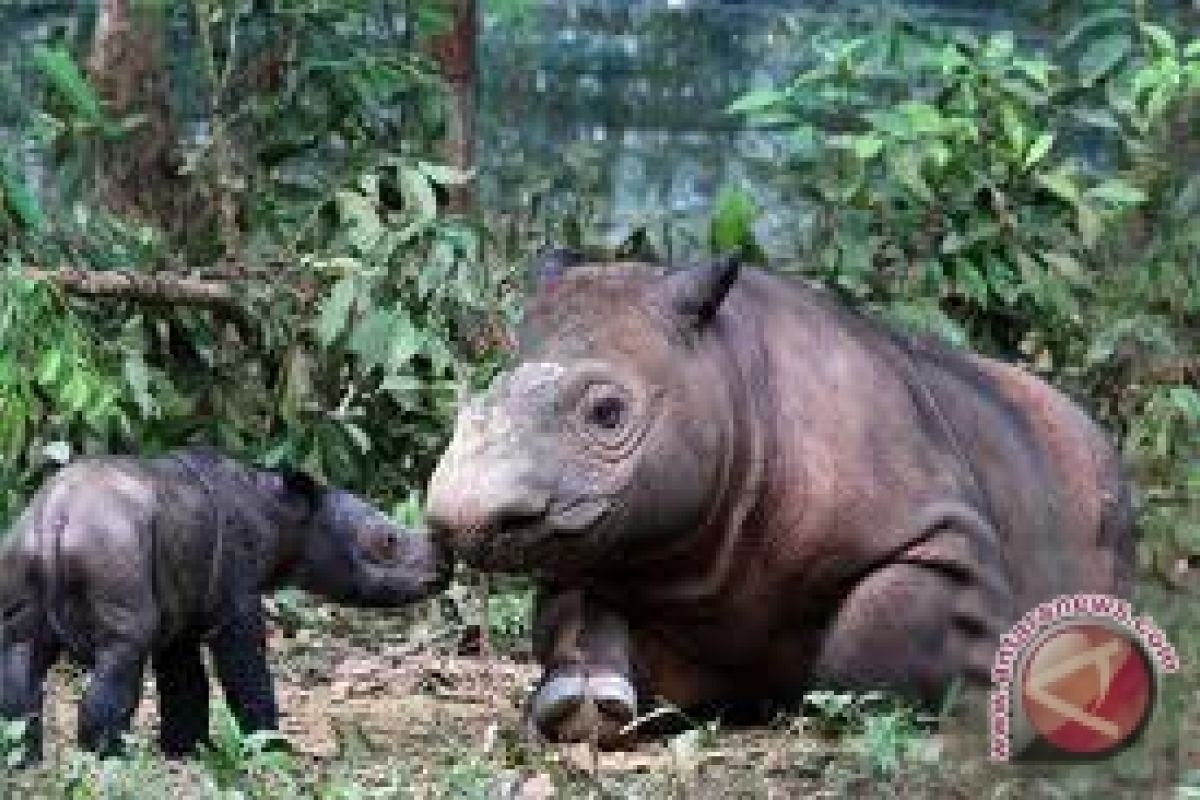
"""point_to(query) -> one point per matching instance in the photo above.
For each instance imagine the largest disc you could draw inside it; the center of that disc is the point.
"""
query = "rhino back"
(871, 427)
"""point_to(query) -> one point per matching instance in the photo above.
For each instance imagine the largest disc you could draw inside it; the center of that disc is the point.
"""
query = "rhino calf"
(120, 560)
(733, 488)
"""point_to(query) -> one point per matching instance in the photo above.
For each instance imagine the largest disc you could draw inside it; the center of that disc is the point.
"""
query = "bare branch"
(163, 288)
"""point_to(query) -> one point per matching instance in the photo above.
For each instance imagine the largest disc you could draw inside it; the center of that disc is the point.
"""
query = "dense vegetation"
(299, 279)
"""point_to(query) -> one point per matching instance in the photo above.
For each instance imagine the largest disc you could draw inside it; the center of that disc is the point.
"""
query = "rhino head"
(615, 434)
(349, 551)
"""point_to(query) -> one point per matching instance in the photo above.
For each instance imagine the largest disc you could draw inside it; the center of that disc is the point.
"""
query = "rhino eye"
(607, 412)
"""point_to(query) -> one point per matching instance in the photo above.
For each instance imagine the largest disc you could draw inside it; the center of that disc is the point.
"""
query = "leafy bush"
(362, 307)
(1032, 203)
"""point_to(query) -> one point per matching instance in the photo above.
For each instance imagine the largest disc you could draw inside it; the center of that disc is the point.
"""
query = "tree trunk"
(135, 174)
(454, 52)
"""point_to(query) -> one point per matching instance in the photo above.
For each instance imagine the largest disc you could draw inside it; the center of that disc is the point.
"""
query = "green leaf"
(1091, 22)
(1103, 56)
(418, 194)
(50, 367)
(971, 281)
(732, 221)
(1038, 150)
(1060, 184)
(15, 195)
(1192, 50)
(357, 435)
(371, 339)
(58, 451)
(334, 314)
(137, 378)
(1065, 264)
(405, 389)
(68, 80)
(907, 170)
(956, 242)
(406, 342)
(1088, 222)
(1162, 38)
(1014, 128)
(1186, 400)
(444, 174)
(1117, 192)
(756, 100)
(867, 146)
(361, 215)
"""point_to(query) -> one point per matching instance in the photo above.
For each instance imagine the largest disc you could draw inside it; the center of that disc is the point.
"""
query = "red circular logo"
(1087, 688)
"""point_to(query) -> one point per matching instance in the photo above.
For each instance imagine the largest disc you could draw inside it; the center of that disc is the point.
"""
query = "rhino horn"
(696, 294)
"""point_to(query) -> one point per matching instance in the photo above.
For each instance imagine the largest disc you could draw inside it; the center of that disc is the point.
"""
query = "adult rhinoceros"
(733, 489)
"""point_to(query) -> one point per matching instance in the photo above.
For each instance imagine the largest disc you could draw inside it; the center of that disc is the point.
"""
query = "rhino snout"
(465, 518)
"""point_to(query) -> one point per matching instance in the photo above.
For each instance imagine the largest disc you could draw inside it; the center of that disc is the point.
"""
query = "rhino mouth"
(522, 542)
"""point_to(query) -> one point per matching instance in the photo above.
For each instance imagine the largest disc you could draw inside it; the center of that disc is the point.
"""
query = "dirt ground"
(372, 713)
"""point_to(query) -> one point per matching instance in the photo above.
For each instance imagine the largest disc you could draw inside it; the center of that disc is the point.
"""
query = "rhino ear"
(695, 294)
(553, 263)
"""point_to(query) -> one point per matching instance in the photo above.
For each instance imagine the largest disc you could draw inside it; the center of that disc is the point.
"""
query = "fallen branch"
(162, 288)
(1170, 370)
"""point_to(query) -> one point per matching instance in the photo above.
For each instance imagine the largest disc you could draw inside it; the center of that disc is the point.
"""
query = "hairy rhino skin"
(732, 488)
(118, 560)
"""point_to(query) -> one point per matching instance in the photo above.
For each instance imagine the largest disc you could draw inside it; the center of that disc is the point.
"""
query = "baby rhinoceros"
(117, 560)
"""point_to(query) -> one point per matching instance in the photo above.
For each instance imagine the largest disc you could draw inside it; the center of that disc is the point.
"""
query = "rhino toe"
(572, 707)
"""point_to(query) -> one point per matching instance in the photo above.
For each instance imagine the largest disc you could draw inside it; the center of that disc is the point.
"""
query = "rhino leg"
(23, 667)
(918, 623)
(182, 684)
(239, 653)
(586, 692)
(111, 697)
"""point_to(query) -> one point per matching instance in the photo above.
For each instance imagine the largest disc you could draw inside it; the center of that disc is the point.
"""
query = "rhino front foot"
(584, 707)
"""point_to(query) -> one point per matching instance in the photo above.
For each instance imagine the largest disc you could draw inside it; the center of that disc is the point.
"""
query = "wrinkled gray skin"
(732, 488)
(117, 560)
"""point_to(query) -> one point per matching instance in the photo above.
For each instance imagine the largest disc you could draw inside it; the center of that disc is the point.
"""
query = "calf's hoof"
(576, 707)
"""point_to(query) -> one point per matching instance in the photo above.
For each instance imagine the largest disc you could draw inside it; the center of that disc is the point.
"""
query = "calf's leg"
(111, 697)
(182, 684)
(239, 651)
(23, 666)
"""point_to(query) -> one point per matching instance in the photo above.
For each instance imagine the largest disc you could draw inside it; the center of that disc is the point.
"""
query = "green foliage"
(731, 229)
(1024, 202)
(59, 389)
(366, 308)
(12, 743)
(256, 765)
(887, 729)
(509, 614)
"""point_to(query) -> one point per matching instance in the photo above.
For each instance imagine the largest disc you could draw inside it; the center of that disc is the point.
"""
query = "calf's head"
(351, 552)
(613, 434)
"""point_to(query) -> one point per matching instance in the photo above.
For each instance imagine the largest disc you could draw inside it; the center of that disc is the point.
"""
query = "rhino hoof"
(576, 708)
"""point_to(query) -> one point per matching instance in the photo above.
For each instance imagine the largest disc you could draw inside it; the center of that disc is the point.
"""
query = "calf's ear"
(695, 294)
(551, 265)
(300, 485)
